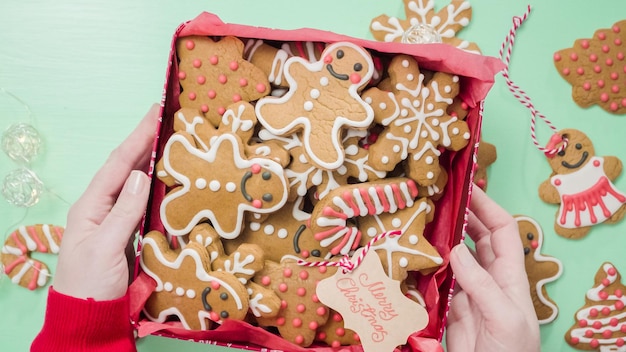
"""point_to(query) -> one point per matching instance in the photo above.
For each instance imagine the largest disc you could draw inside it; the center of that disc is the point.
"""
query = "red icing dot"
(593, 57)
(337, 317)
(619, 342)
(190, 45)
(313, 325)
(214, 60)
(557, 57)
(614, 322)
(222, 78)
(574, 340)
(573, 57)
(602, 36)
(234, 65)
(260, 87)
(201, 79)
(557, 182)
(356, 337)
(266, 280)
(464, 106)
(624, 102)
(619, 305)
(606, 310)
(584, 43)
(283, 304)
(243, 82)
(192, 96)
(301, 291)
(597, 69)
(197, 63)
(299, 339)
(320, 311)
(588, 333)
(605, 48)
(580, 70)
(211, 94)
(304, 275)
(586, 86)
(611, 271)
(604, 97)
(282, 287)
(622, 328)
(256, 168)
(618, 293)
(300, 308)
(296, 322)
(280, 321)
(221, 110)
(321, 335)
(603, 295)
(566, 71)
(605, 282)
(593, 312)
(340, 331)
(204, 108)
(596, 325)
(582, 323)
(182, 75)
(594, 343)
(236, 98)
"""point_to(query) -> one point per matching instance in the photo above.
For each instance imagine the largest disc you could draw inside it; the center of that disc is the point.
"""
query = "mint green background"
(90, 69)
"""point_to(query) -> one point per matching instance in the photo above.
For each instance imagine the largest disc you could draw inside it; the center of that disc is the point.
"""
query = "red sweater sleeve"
(73, 324)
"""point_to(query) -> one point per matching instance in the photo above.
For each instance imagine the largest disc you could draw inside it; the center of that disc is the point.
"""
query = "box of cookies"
(286, 159)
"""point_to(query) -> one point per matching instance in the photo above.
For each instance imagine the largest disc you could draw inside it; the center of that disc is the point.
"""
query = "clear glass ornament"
(22, 188)
(21, 142)
(421, 34)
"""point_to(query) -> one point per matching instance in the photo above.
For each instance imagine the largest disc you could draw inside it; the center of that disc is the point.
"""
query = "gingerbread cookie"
(486, 156)
(600, 325)
(334, 334)
(214, 74)
(540, 269)
(301, 312)
(323, 100)
(581, 183)
(596, 69)
(423, 25)
(331, 218)
(187, 288)
(237, 185)
(15, 255)
(415, 119)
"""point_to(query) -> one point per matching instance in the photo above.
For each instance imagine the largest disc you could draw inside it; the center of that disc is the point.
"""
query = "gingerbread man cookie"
(428, 26)
(236, 185)
(581, 182)
(323, 100)
(415, 119)
(187, 288)
(15, 257)
(214, 74)
(486, 156)
(596, 69)
(540, 269)
(600, 325)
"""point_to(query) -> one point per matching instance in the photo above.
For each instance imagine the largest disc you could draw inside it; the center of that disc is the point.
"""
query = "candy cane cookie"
(330, 220)
(15, 254)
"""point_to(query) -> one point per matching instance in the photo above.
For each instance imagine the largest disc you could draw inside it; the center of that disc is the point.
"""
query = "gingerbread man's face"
(530, 236)
(578, 152)
(347, 64)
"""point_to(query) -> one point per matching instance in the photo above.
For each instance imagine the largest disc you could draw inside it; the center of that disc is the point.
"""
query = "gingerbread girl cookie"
(581, 183)
(236, 185)
(540, 269)
(323, 100)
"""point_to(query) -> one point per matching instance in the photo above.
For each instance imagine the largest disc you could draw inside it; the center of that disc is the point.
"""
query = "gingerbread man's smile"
(248, 175)
(341, 76)
(578, 164)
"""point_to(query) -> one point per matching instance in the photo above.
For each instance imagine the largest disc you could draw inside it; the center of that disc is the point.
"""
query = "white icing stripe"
(356, 195)
(343, 207)
(6, 249)
(23, 270)
(406, 192)
(30, 244)
(43, 277)
(375, 199)
(54, 248)
(393, 207)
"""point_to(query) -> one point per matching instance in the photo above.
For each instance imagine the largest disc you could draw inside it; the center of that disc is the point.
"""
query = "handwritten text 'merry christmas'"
(370, 300)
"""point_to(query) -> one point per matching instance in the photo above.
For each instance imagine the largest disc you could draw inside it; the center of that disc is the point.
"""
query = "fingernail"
(465, 257)
(135, 182)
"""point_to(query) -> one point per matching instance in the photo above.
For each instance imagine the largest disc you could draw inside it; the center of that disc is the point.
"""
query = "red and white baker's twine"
(518, 93)
(345, 262)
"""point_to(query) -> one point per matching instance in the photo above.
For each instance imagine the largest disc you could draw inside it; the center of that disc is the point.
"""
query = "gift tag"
(372, 304)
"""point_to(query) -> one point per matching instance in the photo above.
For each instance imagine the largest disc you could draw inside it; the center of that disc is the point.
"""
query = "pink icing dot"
(584, 43)
(593, 57)
(593, 312)
(335, 344)
(609, 62)
(301, 291)
(622, 328)
(613, 106)
(616, 29)
(197, 63)
(624, 102)
(260, 87)
(221, 110)
(320, 311)
(619, 342)
(214, 60)
(582, 323)
(604, 97)
(280, 321)
(356, 337)
(573, 56)
(190, 45)
(580, 70)
(617, 42)
(574, 340)
(256, 203)
(305, 253)
(602, 36)
(236, 98)
(597, 69)
(283, 304)
(619, 305)
(266, 280)
(222, 78)
(296, 322)
(182, 75)
(315, 299)
(566, 71)
(605, 282)
(615, 88)
(304, 274)
(613, 322)
(605, 48)
(606, 310)
(233, 65)
(243, 82)
(355, 78)
(603, 295)
(337, 317)
(256, 168)
(557, 57)
(618, 293)
(601, 83)
(201, 79)
(594, 343)
(586, 86)
(192, 96)
(620, 56)
(607, 333)
(299, 339)
(204, 108)
(321, 335)
(614, 75)
(340, 331)
(214, 316)
(557, 182)
(313, 325)
(211, 94)
(215, 285)
(282, 287)
(300, 308)
(588, 333)
(322, 269)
